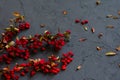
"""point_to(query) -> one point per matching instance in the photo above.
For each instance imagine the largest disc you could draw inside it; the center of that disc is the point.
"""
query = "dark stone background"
(95, 65)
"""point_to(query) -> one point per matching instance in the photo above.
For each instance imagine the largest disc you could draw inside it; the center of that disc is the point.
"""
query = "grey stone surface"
(95, 65)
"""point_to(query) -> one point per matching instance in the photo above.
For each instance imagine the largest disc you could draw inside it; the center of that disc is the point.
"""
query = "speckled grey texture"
(95, 65)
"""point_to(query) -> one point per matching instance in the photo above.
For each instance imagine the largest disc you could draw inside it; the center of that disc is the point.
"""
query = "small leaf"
(115, 17)
(111, 53)
(119, 12)
(98, 48)
(22, 18)
(7, 29)
(82, 39)
(110, 26)
(16, 29)
(118, 48)
(109, 16)
(100, 35)
(98, 2)
(92, 29)
(42, 25)
(65, 12)
(11, 43)
(16, 14)
(85, 28)
(78, 67)
(7, 46)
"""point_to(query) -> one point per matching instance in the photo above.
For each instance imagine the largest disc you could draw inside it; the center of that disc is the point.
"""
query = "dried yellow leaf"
(7, 46)
(11, 43)
(111, 53)
(16, 14)
(22, 18)
(7, 29)
(85, 28)
(16, 29)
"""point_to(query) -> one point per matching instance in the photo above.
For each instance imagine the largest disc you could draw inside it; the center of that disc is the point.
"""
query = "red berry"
(42, 61)
(26, 70)
(70, 53)
(77, 21)
(27, 25)
(68, 31)
(22, 73)
(16, 69)
(23, 65)
(32, 73)
(43, 49)
(63, 67)
(8, 62)
(16, 77)
(68, 61)
(82, 22)
(57, 69)
(86, 21)
(46, 70)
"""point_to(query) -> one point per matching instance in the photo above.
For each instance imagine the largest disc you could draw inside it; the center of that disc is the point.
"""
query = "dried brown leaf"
(98, 48)
(118, 48)
(100, 35)
(78, 67)
(115, 17)
(98, 2)
(92, 29)
(65, 12)
(82, 39)
(110, 26)
(42, 25)
(119, 12)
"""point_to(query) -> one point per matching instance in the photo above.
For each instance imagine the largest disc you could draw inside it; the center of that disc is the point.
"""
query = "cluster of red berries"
(66, 59)
(16, 25)
(83, 22)
(24, 46)
(39, 65)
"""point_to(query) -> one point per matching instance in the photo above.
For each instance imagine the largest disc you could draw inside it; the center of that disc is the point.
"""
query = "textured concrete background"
(95, 65)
